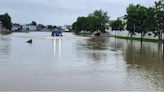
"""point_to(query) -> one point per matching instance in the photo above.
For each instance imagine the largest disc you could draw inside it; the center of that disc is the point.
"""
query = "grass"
(6, 32)
(139, 39)
(83, 34)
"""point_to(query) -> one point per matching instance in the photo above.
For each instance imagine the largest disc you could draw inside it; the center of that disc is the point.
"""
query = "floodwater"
(107, 64)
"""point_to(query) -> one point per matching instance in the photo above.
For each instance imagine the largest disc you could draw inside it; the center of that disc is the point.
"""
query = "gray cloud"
(60, 12)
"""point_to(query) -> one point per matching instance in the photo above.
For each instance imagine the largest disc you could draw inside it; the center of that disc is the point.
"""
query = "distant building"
(29, 27)
(59, 27)
(16, 27)
(67, 28)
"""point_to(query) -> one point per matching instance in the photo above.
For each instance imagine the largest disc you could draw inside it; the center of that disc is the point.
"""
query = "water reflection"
(146, 64)
(57, 48)
(4, 48)
(97, 43)
(116, 45)
(144, 56)
(93, 64)
(93, 49)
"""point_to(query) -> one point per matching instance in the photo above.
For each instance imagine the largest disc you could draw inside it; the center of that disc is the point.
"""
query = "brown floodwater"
(106, 64)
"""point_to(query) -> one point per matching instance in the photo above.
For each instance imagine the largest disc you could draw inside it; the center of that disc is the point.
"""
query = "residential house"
(16, 27)
(29, 27)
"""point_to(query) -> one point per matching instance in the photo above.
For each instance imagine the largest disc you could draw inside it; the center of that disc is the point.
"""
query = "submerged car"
(56, 33)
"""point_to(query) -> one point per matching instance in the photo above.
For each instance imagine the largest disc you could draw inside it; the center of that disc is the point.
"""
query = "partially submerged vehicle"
(56, 33)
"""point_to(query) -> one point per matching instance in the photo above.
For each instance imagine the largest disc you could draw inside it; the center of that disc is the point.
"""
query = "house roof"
(15, 24)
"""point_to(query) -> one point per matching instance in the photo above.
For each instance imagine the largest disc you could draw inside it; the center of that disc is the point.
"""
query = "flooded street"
(79, 64)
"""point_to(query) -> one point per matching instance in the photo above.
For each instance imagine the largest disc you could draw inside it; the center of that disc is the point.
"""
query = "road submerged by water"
(79, 64)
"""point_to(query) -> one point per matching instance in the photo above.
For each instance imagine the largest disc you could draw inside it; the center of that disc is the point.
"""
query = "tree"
(159, 17)
(117, 25)
(34, 23)
(50, 27)
(96, 21)
(6, 21)
(100, 19)
(80, 24)
(155, 19)
(54, 27)
(150, 22)
(136, 17)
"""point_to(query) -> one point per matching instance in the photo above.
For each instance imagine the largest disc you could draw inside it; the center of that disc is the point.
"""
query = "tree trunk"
(128, 34)
(163, 43)
(115, 33)
(97, 31)
(131, 35)
(163, 47)
(1, 35)
(160, 35)
(141, 37)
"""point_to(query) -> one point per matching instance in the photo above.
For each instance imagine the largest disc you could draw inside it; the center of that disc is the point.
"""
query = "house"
(16, 27)
(67, 28)
(29, 27)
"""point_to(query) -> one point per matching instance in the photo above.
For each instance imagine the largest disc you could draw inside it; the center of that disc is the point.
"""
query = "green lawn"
(139, 39)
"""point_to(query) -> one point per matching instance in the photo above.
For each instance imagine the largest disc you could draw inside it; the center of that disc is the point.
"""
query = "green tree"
(159, 17)
(54, 27)
(34, 23)
(117, 25)
(150, 22)
(96, 21)
(99, 20)
(6, 21)
(80, 25)
(50, 27)
(136, 17)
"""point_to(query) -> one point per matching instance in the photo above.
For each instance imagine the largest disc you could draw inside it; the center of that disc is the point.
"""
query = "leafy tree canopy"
(34, 23)
(117, 25)
(6, 21)
(96, 21)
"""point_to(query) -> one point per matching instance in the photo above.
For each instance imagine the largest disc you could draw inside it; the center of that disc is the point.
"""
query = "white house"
(29, 27)
(16, 27)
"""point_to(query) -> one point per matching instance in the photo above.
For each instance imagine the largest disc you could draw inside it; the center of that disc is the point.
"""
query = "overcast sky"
(61, 12)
